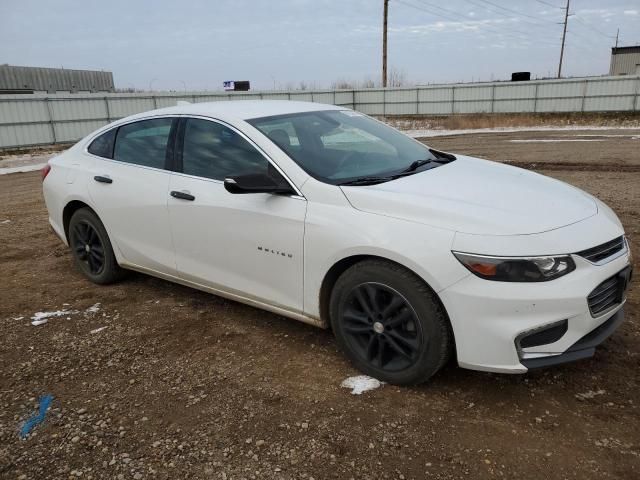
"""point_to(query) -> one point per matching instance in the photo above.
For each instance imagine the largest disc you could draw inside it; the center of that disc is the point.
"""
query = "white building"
(625, 61)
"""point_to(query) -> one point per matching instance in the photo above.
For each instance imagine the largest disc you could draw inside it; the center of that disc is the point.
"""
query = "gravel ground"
(155, 380)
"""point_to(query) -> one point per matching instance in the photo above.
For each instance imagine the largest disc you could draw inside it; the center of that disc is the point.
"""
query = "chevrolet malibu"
(325, 215)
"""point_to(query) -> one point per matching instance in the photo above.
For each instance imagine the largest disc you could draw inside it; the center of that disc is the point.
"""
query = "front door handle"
(182, 195)
(102, 179)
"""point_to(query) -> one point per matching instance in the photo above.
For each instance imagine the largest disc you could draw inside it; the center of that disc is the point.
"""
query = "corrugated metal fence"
(27, 120)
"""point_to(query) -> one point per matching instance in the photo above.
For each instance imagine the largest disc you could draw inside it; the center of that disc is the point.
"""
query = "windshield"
(336, 146)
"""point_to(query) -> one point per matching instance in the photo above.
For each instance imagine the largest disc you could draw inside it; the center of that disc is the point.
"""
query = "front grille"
(609, 293)
(606, 250)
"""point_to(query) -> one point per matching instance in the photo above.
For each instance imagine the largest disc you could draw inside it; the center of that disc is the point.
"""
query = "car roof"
(240, 109)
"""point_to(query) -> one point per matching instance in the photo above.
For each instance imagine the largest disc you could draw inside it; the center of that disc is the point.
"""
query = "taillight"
(45, 171)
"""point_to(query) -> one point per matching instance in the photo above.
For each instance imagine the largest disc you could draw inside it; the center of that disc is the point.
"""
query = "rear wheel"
(91, 248)
(389, 323)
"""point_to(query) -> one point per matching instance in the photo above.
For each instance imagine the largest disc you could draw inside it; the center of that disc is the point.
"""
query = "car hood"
(471, 195)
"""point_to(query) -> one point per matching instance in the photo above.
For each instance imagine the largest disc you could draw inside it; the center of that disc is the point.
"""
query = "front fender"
(334, 233)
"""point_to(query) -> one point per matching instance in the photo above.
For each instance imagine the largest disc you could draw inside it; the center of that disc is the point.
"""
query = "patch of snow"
(360, 384)
(42, 317)
(589, 394)
(98, 330)
(21, 169)
(633, 137)
(553, 140)
(95, 308)
(440, 133)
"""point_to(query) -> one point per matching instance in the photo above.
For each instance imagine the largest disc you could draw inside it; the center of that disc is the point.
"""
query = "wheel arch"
(342, 265)
(69, 209)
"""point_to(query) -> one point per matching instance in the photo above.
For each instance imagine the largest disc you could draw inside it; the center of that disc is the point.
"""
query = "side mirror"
(256, 183)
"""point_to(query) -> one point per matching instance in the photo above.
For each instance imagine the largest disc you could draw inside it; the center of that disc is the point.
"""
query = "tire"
(91, 248)
(389, 323)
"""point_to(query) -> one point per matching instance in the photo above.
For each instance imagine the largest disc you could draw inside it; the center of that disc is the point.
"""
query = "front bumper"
(489, 318)
(583, 348)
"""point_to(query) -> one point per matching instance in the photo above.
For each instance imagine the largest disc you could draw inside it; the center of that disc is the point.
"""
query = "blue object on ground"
(36, 419)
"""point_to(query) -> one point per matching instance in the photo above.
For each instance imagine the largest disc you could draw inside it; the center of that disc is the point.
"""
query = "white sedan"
(327, 216)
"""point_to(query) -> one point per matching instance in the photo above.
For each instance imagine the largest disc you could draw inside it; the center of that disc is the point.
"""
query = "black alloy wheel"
(88, 247)
(91, 248)
(389, 322)
(382, 327)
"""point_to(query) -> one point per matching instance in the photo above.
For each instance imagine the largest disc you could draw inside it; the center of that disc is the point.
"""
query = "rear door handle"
(102, 179)
(182, 195)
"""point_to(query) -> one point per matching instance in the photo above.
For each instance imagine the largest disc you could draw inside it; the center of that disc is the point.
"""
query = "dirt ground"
(183, 384)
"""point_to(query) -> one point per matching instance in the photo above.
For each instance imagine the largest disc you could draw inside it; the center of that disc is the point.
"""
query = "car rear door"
(130, 192)
(251, 244)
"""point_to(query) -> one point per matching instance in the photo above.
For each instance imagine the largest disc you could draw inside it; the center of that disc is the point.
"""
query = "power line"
(588, 25)
(583, 35)
(511, 17)
(509, 32)
(464, 15)
(422, 2)
(538, 19)
(447, 15)
(549, 4)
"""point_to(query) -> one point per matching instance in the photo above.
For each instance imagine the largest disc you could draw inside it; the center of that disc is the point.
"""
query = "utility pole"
(564, 35)
(384, 44)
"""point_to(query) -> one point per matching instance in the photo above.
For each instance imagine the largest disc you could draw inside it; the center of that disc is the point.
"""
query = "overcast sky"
(200, 43)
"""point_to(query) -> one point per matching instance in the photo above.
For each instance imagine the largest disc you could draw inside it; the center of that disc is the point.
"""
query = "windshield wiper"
(366, 181)
(441, 158)
(417, 164)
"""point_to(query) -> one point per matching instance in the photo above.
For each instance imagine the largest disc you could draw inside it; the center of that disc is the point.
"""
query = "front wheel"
(389, 323)
(91, 248)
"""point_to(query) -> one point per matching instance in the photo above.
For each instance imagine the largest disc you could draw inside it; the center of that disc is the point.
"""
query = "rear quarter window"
(143, 143)
(102, 146)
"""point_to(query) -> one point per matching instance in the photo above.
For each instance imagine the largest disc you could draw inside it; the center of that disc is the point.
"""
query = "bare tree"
(368, 83)
(342, 84)
(397, 78)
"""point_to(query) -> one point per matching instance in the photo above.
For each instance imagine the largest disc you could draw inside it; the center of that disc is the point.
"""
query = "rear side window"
(103, 145)
(214, 151)
(143, 143)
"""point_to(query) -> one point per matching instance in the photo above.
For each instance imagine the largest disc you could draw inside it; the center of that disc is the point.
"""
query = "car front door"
(249, 245)
(129, 189)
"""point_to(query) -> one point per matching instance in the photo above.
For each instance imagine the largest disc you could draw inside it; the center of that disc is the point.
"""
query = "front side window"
(283, 134)
(103, 145)
(336, 146)
(211, 150)
(144, 142)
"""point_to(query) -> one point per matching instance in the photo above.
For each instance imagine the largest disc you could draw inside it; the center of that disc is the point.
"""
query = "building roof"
(629, 49)
(29, 79)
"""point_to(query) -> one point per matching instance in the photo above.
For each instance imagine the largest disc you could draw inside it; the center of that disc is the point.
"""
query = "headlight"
(517, 269)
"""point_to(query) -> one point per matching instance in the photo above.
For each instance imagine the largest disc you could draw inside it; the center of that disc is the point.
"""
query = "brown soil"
(183, 384)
